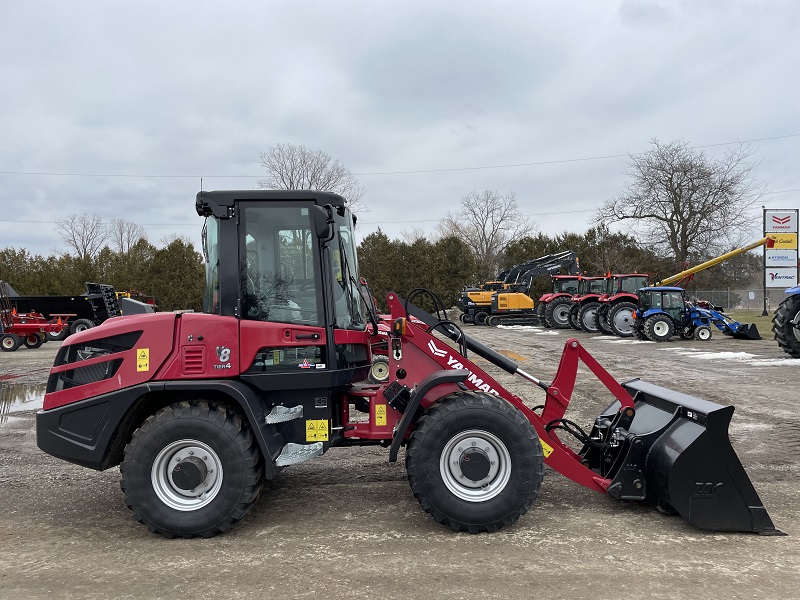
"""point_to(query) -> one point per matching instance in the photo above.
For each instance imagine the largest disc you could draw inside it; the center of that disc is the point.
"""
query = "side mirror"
(323, 222)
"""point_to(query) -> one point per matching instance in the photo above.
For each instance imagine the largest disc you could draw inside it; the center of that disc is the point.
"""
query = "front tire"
(702, 333)
(474, 462)
(192, 469)
(9, 342)
(33, 341)
(658, 328)
(480, 318)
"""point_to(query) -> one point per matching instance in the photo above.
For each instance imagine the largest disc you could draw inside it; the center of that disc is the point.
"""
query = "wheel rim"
(81, 327)
(561, 314)
(796, 328)
(660, 328)
(704, 334)
(588, 318)
(623, 320)
(195, 455)
(474, 451)
(380, 370)
(8, 342)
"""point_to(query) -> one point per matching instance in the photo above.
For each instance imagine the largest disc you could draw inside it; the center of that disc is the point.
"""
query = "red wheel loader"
(199, 409)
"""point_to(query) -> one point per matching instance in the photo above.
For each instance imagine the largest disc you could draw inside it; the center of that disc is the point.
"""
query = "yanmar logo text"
(454, 363)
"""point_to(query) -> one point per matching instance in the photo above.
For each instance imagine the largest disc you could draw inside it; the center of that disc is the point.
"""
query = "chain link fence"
(740, 299)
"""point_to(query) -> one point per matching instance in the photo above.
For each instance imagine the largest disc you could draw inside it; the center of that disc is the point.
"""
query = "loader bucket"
(677, 456)
(747, 331)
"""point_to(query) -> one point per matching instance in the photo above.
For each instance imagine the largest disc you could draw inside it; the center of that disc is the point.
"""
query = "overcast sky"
(118, 108)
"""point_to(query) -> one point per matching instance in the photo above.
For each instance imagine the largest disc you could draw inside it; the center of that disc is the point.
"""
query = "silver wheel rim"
(175, 497)
(561, 314)
(795, 329)
(660, 328)
(623, 320)
(588, 318)
(462, 486)
(380, 370)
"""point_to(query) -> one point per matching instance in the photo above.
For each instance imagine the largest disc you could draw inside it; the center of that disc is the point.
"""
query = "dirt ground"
(346, 524)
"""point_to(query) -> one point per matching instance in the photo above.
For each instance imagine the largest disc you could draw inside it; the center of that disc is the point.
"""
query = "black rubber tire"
(480, 317)
(638, 330)
(574, 309)
(218, 428)
(659, 328)
(586, 317)
(61, 335)
(541, 308)
(461, 318)
(620, 318)
(485, 416)
(702, 333)
(379, 371)
(785, 323)
(492, 321)
(557, 312)
(601, 319)
(32, 341)
(9, 342)
(80, 325)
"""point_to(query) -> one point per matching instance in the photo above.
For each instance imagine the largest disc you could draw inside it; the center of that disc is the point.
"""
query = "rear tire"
(9, 342)
(379, 371)
(80, 325)
(474, 462)
(620, 318)
(586, 317)
(601, 320)
(219, 455)
(557, 312)
(658, 328)
(785, 323)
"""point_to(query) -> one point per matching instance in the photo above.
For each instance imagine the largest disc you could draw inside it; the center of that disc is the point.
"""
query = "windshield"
(211, 256)
(632, 284)
(349, 307)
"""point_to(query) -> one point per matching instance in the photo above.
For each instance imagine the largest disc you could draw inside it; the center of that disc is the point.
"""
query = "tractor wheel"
(786, 325)
(586, 317)
(480, 318)
(474, 462)
(620, 318)
(379, 371)
(32, 341)
(658, 328)
(493, 321)
(638, 330)
(573, 316)
(191, 469)
(557, 312)
(80, 325)
(541, 309)
(9, 342)
(57, 337)
(702, 333)
(601, 320)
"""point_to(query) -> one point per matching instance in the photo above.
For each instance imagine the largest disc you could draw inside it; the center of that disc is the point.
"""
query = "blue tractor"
(786, 323)
(663, 312)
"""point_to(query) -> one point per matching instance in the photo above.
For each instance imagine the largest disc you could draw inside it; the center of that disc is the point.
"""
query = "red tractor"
(200, 409)
(615, 314)
(30, 329)
(553, 308)
(585, 303)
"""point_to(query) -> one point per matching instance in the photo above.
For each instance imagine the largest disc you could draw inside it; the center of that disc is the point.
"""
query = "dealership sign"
(781, 258)
(785, 241)
(780, 221)
(781, 277)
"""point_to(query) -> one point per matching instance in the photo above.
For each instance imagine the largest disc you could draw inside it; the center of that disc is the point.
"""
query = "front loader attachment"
(675, 454)
(746, 331)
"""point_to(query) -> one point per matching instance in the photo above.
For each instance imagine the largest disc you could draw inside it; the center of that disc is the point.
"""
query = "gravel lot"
(346, 524)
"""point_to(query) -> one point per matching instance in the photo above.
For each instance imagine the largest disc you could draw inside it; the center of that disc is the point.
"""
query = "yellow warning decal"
(380, 414)
(547, 449)
(142, 359)
(316, 430)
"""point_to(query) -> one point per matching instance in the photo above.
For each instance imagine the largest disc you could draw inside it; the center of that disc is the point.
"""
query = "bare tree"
(85, 234)
(679, 199)
(292, 167)
(414, 234)
(124, 235)
(487, 222)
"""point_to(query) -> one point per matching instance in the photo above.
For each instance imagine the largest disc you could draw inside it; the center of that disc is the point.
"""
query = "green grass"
(764, 324)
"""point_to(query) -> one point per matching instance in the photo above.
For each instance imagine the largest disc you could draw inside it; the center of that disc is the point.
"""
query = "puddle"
(18, 397)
